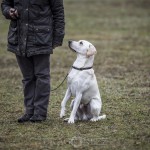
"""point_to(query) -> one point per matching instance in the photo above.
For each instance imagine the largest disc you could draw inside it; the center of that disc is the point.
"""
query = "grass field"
(120, 30)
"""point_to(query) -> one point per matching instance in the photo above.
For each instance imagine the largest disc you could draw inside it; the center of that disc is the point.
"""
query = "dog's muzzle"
(69, 44)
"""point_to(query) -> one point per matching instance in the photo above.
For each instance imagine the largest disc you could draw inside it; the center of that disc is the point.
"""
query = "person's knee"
(43, 74)
(29, 77)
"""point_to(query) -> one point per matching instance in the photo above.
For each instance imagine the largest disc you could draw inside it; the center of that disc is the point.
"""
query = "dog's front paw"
(71, 121)
(62, 113)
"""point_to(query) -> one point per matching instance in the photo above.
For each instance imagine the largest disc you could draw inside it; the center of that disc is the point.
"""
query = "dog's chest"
(79, 81)
(74, 77)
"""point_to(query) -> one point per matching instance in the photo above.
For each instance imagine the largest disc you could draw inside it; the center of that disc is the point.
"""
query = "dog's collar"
(81, 69)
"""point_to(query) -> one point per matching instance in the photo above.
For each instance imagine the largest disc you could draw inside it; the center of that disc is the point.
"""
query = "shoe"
(37, 118)
(25, 118)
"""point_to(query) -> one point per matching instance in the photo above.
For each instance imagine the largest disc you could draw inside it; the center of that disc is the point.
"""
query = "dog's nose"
(69, 42)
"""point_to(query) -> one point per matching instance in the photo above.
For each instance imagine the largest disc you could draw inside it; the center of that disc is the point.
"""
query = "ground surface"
(120, 30)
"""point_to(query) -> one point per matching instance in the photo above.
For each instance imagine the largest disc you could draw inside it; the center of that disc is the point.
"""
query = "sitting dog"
(82, 85)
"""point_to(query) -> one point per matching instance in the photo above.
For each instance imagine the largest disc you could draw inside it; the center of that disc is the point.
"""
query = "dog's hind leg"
(63, 103)
(83, 112)
(95, 107)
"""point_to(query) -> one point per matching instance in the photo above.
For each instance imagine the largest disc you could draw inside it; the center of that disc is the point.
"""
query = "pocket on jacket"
(43, 36)
(13, 36)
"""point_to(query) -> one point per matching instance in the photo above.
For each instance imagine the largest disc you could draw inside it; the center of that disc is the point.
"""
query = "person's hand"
(13, 13)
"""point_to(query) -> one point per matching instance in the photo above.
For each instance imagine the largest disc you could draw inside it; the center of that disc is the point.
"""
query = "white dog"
(82, 85)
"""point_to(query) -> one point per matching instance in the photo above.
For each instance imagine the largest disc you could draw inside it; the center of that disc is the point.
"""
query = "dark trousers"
(36, 83)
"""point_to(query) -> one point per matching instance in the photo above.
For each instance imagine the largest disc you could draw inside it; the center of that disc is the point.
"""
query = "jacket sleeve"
(5, 6)
(59, 23)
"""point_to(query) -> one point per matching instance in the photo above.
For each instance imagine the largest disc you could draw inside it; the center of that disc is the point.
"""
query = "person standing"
(36, 28)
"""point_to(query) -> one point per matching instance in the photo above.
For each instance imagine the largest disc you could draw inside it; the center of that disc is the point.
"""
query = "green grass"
(120, 30)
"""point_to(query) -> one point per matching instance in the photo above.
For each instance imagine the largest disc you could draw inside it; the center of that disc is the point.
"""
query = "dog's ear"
(91, 51)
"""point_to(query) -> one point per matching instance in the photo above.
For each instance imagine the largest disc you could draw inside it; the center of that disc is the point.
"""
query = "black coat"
(39, 27)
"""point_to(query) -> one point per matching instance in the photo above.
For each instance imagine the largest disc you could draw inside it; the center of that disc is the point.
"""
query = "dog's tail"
(102, 117)
(94, 119)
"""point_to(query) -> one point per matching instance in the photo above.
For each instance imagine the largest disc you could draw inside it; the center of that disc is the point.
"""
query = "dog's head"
(82, 47)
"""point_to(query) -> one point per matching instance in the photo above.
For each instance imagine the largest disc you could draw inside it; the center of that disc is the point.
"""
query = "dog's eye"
(81, 43)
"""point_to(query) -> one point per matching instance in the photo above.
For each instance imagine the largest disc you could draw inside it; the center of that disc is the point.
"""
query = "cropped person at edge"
(36, 28)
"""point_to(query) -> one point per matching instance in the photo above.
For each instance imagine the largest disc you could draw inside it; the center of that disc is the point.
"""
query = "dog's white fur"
(83, 86)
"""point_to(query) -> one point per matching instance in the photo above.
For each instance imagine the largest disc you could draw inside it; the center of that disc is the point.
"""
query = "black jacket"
(40, 26)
